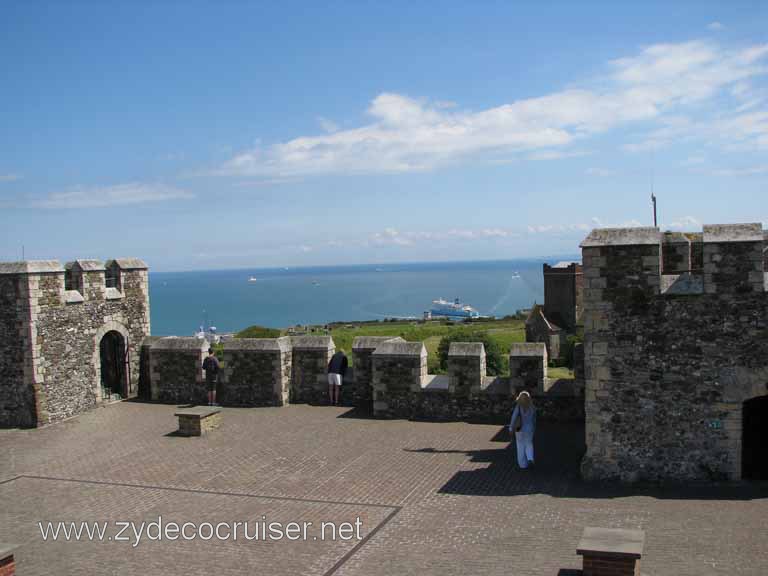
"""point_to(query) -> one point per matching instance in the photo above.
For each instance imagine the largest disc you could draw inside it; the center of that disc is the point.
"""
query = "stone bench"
(611, 552)
(7, 562)
(198, 420)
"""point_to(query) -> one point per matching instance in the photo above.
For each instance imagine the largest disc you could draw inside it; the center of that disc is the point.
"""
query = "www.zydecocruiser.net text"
(158, 530)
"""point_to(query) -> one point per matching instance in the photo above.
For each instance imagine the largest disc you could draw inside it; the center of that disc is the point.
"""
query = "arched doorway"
(112, 352)
(754, 441)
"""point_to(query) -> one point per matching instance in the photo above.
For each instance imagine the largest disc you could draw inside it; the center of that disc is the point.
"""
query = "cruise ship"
(456, 308)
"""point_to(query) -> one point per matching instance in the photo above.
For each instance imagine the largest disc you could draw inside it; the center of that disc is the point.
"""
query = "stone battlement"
(724, 258)
(389, 377)
(674, 344)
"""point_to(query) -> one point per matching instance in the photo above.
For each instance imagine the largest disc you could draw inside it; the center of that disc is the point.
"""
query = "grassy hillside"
(505, 332)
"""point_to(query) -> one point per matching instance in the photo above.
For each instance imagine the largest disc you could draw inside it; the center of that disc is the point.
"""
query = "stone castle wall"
(57, 332)
(17, 395)
(176, 370)
(257, 372)
(669, 360)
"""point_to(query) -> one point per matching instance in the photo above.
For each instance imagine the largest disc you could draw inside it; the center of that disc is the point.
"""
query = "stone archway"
(113, 366)
(113, 334)
(754, 440)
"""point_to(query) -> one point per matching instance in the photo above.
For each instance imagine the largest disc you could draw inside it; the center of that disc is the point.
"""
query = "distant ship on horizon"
(456, 309)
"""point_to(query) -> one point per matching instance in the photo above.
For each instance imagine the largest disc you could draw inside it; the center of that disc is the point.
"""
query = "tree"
(258, 332)
(494, 359)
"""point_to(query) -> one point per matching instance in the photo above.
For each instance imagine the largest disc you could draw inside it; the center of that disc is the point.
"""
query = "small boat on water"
(253, 279)
(454, 309)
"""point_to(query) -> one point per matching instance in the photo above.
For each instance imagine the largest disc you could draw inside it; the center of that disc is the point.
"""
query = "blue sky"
(204, 136)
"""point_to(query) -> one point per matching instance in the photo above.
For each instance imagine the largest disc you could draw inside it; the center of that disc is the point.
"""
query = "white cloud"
(119, 195)
(686, 223)
(693, 161)
(596, 222)
(749, 171)
(663, 83)
(10, 177)
(715, 26)
(327, 125)
(601, 172)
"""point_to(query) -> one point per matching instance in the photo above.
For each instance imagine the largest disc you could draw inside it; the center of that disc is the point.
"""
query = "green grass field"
(505, 332)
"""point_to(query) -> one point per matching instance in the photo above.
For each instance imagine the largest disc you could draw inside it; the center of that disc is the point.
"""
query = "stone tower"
(70, 336)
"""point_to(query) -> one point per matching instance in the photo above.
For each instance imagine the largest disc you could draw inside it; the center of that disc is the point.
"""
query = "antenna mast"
(653, 196)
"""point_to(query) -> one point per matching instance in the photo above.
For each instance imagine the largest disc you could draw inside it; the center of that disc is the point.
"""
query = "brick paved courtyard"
(433, 498)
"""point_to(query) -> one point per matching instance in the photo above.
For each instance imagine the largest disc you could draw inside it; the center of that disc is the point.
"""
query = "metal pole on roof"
(653, 199)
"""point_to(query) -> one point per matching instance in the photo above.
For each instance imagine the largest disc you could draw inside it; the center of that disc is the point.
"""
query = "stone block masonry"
(176, 370)
(399, 371)
(528, 366)
(256, 372)
(53, 322)
(310, 358)
(667, 372)
(362, 351)
(466, 368)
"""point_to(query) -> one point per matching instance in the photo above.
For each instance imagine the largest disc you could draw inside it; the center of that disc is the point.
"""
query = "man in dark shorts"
(211, 367)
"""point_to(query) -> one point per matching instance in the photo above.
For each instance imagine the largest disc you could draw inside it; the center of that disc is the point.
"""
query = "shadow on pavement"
(559, 449)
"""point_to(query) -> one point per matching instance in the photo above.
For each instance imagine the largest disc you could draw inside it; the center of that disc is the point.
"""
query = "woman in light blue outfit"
(523, 424)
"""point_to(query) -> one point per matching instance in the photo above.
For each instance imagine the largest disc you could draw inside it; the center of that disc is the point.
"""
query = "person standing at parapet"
(337, 369)
(523, 425)
(211, 367)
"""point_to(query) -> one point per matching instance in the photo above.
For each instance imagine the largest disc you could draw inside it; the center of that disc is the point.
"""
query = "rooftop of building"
(434, 498)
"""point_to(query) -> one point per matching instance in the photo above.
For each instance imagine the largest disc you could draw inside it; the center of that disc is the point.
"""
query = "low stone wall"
(493, 403)
(310, 358)
(176, 370)
(257, 372)
(389, 377)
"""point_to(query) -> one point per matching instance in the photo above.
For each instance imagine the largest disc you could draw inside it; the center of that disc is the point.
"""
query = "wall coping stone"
(434, 382)
(180, 343)
(401, 349)
(372, 342)
(622, 237)
(129, 263)
(73, 297)
(612, 542)
(31, 267)
(150, 340)
(111, 293)
(675, 238)
(312, 342)
(528, 349)
(282, 344)
(733, 233)
(87, 265)
(466, 349)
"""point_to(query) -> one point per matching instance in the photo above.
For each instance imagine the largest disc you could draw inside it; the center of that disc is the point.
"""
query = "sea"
(231, 300)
